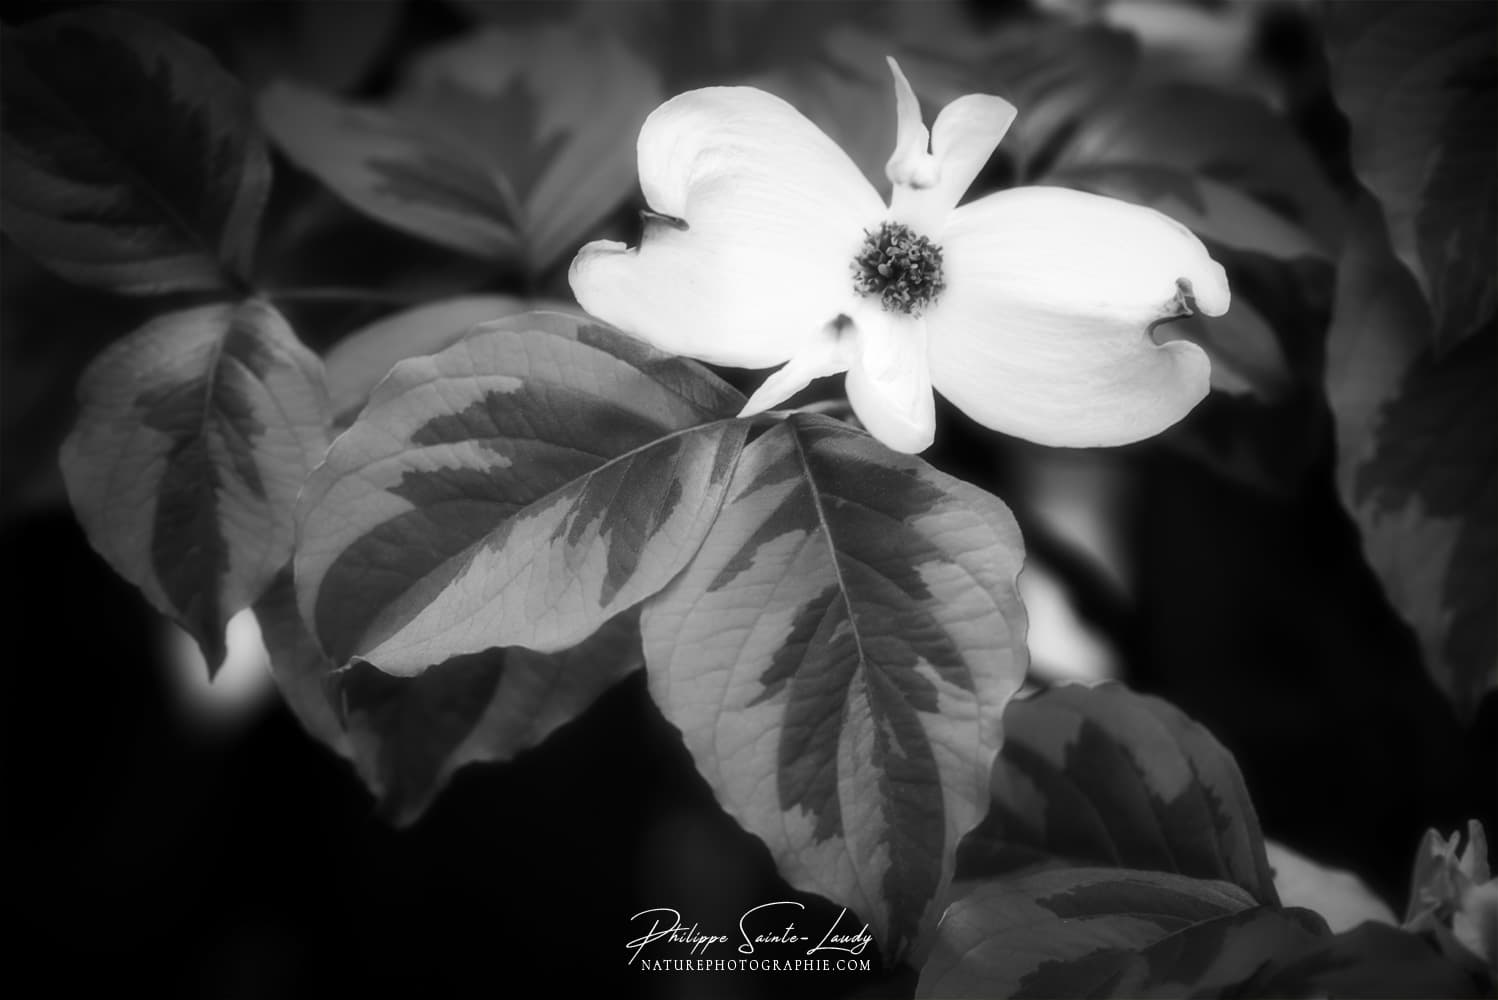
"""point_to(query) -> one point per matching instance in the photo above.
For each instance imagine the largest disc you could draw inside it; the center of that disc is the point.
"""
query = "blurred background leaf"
(502, 144)
(132, 162)
(1419, 85)
(1417, 437)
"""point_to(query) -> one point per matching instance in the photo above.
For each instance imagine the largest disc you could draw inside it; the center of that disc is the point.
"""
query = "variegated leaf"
(1419, 85)
(505, 143)
(838, 656)
(357, 362)
(407, 736)
(1417, 461)
(1106, 932)
(131, 159)
(301, 672)
(195, 434)
(519, 488)
(1101, 775)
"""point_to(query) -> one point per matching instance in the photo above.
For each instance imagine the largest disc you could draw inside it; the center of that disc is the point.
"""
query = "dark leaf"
(1105, 932)
(1100, 775)
(1417, 438)
(407, 736)
(505, 143)
(1373, 961)
(1419, 85)
(131, 159)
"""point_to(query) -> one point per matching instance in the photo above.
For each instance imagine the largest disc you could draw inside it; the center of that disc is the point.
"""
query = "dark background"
(146, 850)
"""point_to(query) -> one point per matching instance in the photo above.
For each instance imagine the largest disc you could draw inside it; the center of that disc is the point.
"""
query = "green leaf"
(1101, 775)
(505, 143)
(356, 363)
(407, 736)
(131, 159)
(1103, 932)
(519, 488)
(195, 434)
(1419, 86)
(838, 656)
(1417, 466)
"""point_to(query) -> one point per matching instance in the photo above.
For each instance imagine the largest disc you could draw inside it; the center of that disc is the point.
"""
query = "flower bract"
(1030, 309)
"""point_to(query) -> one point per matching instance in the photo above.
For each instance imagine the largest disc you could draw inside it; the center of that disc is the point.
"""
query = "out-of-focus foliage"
(505, 145)
(1419, 85)
(1122, 858)
(1454, 895)
(1417, 461)
(1411, 350)
(87, 196)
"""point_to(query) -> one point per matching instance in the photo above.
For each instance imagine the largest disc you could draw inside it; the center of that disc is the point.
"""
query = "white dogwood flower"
(1030, 309)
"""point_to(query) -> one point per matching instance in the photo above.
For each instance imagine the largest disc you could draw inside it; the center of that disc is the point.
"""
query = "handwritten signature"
(755, 929)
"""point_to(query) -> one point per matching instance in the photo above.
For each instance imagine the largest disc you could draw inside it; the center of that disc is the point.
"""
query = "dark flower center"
(901, 268)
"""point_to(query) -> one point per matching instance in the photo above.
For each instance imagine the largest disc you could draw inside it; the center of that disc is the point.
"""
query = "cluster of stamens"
(900, 267)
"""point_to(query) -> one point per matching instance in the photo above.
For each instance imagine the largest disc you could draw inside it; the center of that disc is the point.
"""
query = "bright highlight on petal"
(1044, 330)
(889, 384)
(770, 210)
(1030, 309)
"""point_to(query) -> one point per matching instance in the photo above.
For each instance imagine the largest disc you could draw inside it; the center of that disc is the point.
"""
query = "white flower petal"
(1043, 330)
(774, 213)
(928, 185)
(965, 135)
(889, 382)
(911, 165)
(828, 353)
